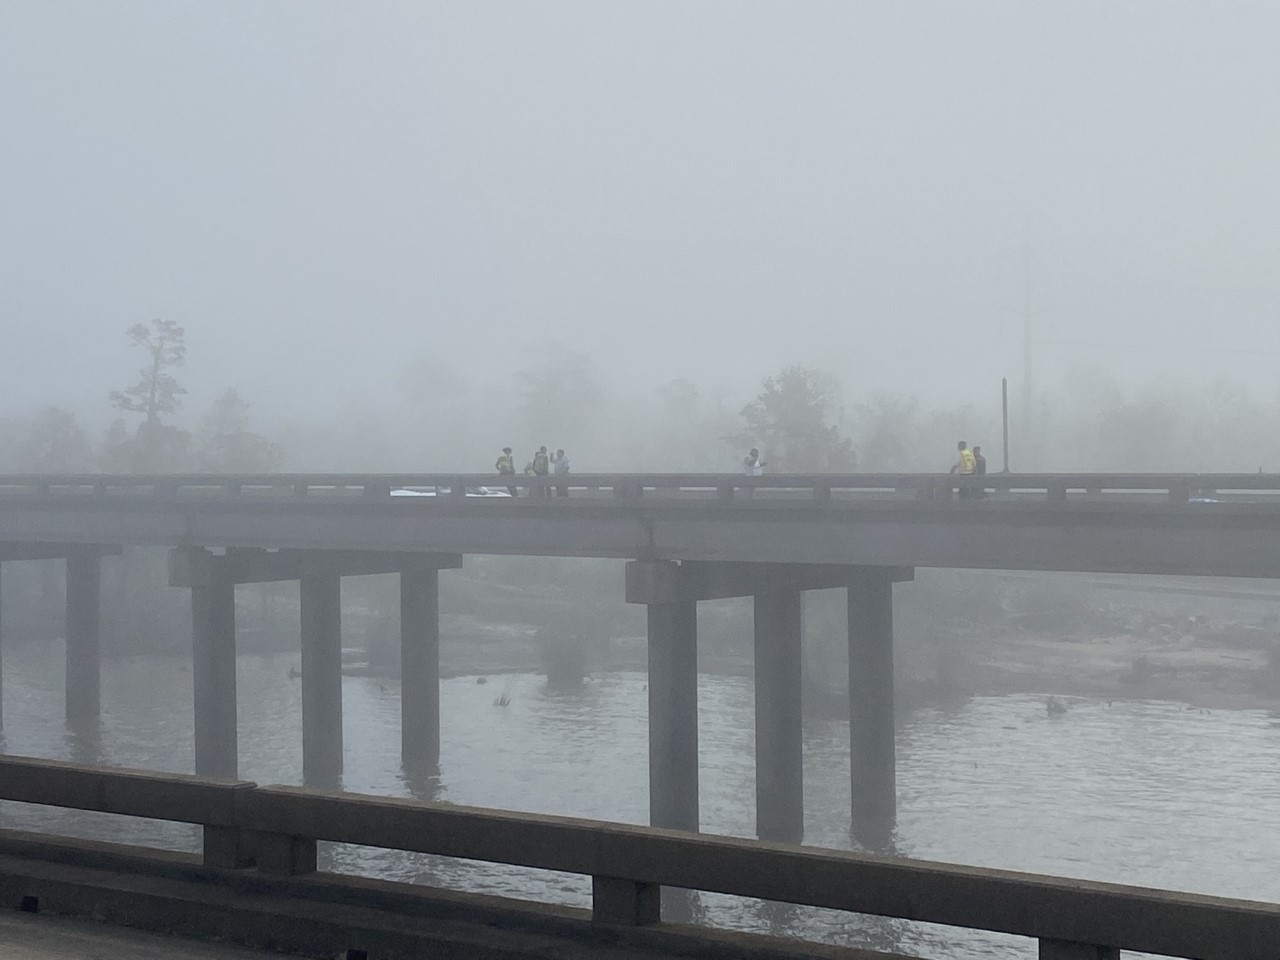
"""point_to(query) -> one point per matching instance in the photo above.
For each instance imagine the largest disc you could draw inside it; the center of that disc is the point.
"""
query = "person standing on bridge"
(964, 465)
(541, 466)
(506, 467)
(979, 470)
(560, 467)
(752, 466)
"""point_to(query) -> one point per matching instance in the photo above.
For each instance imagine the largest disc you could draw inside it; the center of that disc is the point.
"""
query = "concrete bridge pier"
(671, 591)
(320, 593)
(673, 715)
(212, 579)
(872, 753)
(420, 661)
(673, 691)
(213, 662)
(779, 743)
(84, 618)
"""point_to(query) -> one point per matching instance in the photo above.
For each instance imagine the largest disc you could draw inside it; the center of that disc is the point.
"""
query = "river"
(1145, 792)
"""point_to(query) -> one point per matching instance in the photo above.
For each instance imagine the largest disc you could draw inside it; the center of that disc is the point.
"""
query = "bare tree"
(156, 393)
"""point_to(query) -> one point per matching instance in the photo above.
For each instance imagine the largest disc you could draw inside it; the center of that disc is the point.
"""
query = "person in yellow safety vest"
(964, 465)
(506, 467)
(541, 467)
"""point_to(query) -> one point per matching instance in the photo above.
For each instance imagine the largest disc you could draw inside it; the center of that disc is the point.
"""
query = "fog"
(358, 212)
(307, 235)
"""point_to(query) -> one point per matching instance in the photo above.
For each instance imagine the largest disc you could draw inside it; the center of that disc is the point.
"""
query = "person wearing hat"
(506, 467)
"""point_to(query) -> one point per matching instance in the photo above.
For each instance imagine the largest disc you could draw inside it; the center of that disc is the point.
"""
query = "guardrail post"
(1179, 492)
(625, 902)
(1069, 950)
(281, 854)
(822, 491)
(724, 491)
(377, 488)
(225, 848)
(458, 488)
(1056, 492)
(300, 488)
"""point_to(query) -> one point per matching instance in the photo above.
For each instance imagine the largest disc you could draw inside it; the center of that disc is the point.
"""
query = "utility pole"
(1028, 394)
(1004, 417)
(1026, 420)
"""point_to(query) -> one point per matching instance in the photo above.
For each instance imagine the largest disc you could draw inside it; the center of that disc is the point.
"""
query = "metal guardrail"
(818, 487)
(276, 829)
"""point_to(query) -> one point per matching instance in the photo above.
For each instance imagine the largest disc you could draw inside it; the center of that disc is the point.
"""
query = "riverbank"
(1122, 652)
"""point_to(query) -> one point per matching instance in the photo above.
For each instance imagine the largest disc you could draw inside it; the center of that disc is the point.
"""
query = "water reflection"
(874, 834)
(422, 783)
(84, 740)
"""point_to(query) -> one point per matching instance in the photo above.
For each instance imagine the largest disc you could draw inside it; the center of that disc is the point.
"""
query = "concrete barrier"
(182, 798)
(277, 827)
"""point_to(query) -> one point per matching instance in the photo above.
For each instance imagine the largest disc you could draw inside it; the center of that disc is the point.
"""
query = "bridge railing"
(1179, 488)
(276, 829)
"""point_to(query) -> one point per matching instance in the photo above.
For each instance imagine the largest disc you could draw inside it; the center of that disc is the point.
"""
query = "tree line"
(143, 437)
(801, 419)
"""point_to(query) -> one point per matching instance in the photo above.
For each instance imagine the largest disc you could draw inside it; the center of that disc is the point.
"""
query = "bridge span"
(686, 537)
(1208, 525)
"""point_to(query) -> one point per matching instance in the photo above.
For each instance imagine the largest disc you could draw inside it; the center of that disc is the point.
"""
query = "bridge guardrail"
(209, 802)
(276, 828)
(717, 487)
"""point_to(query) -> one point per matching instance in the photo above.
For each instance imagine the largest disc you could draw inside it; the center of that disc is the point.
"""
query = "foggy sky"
(323, 192)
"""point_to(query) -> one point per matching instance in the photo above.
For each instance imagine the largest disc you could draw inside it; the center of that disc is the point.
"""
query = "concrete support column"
(779, 745)
(321, 596)
(213, 666)
(874, 803)
(673, 715)
(420, 668)
(83, 676)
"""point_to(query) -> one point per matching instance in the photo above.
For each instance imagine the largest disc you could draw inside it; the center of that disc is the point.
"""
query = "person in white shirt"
(560, 467)
(752, 466)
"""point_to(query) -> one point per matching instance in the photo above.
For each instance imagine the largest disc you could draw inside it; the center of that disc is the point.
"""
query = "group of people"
(542, 464)
(970, 463)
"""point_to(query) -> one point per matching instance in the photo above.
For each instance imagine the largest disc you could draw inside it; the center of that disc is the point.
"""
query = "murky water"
(1149, 793)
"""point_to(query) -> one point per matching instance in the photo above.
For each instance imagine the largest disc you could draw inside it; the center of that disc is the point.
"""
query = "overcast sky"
(323, 192)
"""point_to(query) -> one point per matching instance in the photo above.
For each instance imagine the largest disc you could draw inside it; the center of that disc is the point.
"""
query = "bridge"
(686, 537)
(255, 881)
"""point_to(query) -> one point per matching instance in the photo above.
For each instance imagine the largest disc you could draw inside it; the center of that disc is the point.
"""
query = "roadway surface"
(32, 936)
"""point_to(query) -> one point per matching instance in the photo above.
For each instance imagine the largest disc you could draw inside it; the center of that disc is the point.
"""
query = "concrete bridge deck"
(1123, 524)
